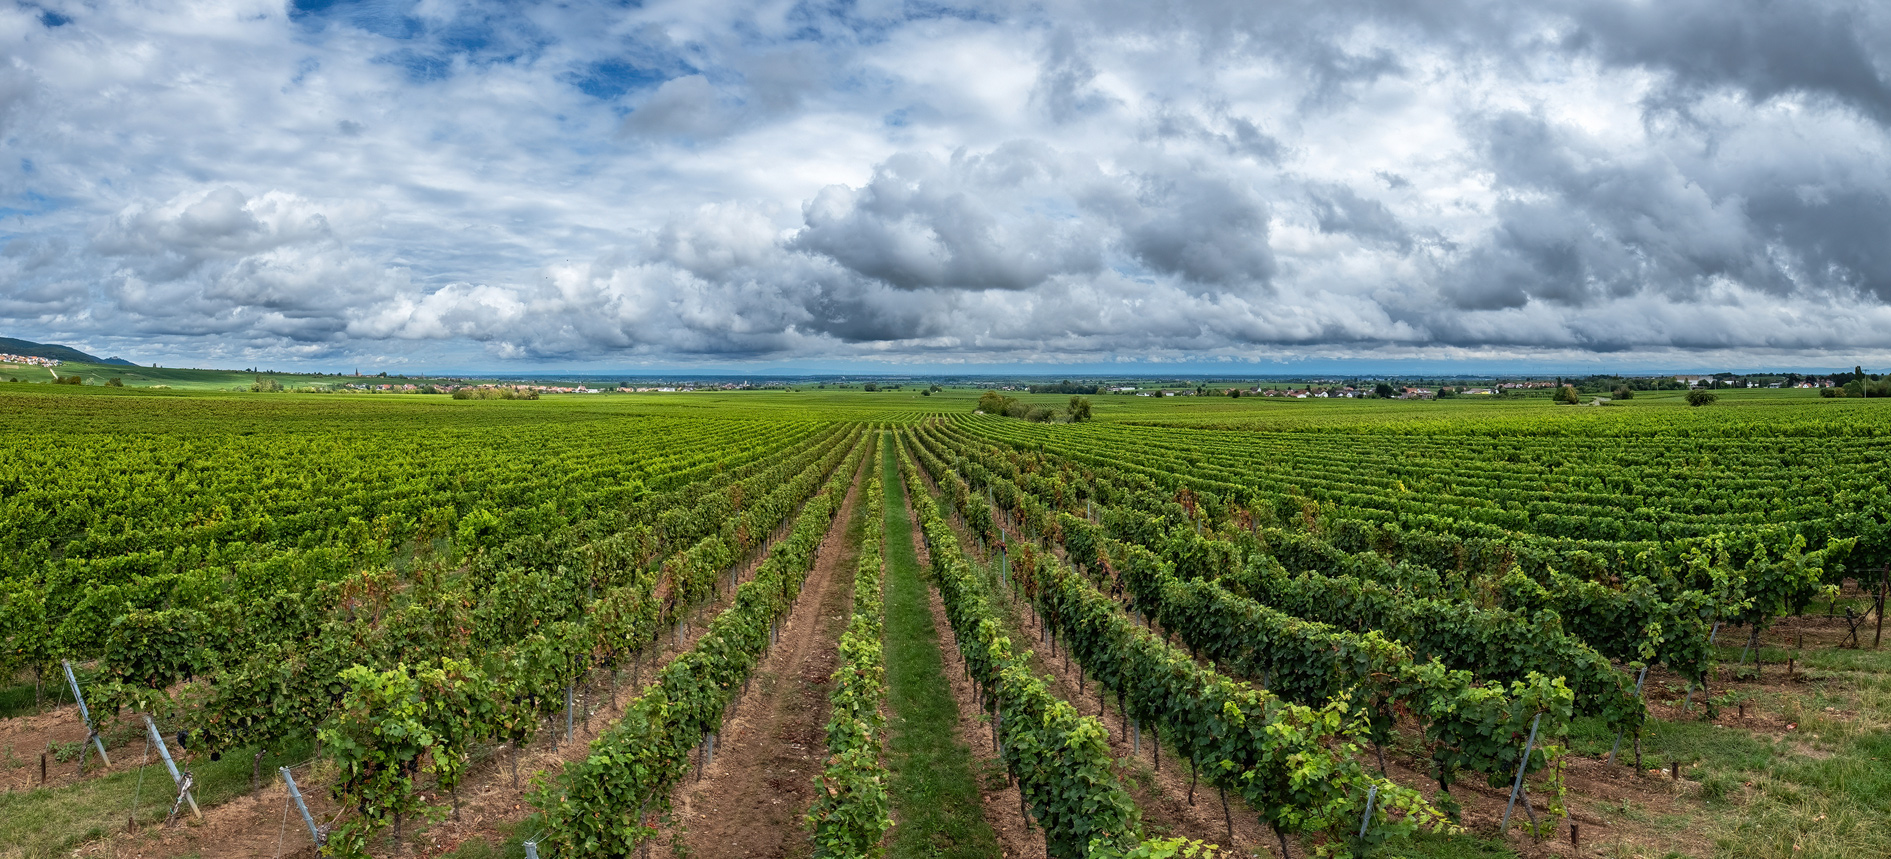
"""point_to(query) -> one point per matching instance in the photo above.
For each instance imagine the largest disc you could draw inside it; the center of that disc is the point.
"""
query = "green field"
(1436, 576)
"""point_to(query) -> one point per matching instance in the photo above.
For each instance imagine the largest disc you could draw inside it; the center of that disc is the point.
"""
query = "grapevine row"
(1060, 759)
(424, 712)
(603, 805)
(853, 811)
(1296, 764)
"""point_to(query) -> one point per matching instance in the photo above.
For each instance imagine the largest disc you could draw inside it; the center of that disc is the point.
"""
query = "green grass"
(20, 700)
(1820, 790)
(1424, 845)
(51, 821)
(510, 846)
(935, 797)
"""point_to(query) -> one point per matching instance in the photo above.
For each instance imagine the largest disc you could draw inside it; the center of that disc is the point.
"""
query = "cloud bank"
(439, 183)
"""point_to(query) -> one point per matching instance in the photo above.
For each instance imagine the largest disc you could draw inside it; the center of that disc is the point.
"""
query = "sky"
(726, 185)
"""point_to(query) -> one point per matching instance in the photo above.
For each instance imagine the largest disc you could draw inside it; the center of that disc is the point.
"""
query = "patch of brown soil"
(24, 739)
(749, 800)
(1599, 797)
(263, 823)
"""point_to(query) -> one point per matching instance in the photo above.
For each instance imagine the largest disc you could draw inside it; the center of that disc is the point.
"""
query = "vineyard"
(795, 624)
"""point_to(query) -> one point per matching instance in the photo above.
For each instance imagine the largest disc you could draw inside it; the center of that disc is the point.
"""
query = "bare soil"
(24, 739)
(1592, 787)
(750, 799)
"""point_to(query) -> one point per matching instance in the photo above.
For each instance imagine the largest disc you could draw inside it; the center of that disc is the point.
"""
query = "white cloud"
(756, 181)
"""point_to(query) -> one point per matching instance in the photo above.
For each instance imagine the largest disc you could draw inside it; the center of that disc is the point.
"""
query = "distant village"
(1389, 389)
(34, 360)
(450, 387)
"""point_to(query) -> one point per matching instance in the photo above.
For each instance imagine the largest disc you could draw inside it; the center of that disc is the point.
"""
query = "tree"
(114, 382)
(1701, 398)
(1383, 391)
(1855, 387)
(1079, 409)
(1566, 395)
(1624, 393)
(870, 387)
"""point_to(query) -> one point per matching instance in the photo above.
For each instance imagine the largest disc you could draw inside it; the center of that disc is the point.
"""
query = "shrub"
(494, 394)
(114, 382)
(1567, 395)
(1701, 398)
(1623, 393)
(994, 403)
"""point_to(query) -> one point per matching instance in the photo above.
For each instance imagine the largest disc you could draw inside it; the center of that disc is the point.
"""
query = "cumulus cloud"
(1007, 219)
(1078, 180)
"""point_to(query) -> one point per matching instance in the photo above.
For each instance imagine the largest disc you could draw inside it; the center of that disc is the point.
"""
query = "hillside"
(11, 346)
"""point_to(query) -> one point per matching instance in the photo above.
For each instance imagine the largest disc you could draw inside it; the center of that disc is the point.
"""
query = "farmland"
(835, 623)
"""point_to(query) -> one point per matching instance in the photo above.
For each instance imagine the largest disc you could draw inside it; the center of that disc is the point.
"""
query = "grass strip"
(935, 798)
(52, 821)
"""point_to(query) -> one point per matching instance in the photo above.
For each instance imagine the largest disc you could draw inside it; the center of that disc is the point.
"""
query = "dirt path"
(749, 801)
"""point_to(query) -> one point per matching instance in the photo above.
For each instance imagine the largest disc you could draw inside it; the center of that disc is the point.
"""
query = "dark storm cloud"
(1065, 84)
(1201, 226)
(1763, 48)
(1583, 225)
(1002, 220)
(1339, 209)
(883, 181)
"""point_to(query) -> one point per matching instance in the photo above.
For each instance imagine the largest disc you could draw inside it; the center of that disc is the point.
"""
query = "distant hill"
(47, 350)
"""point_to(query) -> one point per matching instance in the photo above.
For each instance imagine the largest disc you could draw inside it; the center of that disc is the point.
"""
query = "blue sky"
(878, 184)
